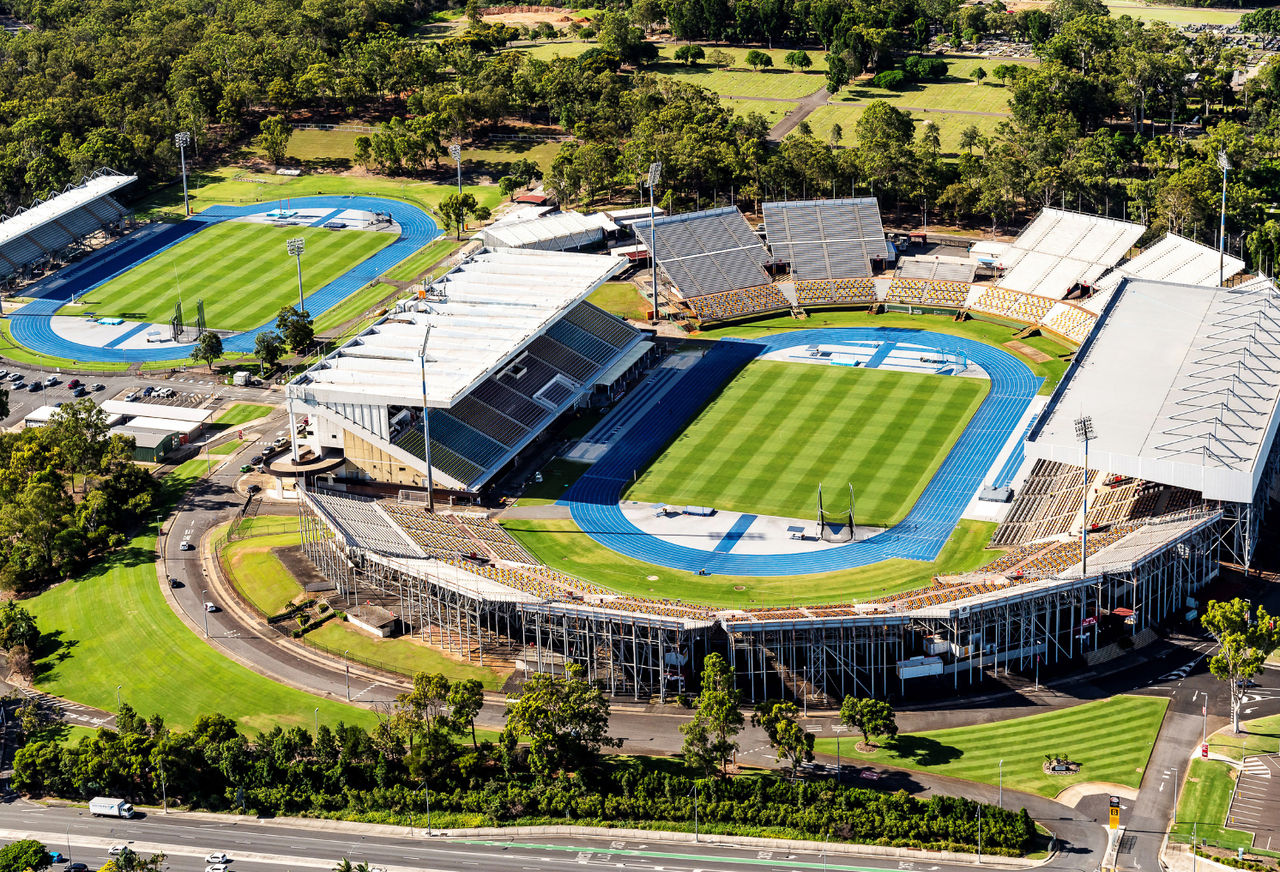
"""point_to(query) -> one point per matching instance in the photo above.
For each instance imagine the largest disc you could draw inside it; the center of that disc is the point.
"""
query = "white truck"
(101, 806)
(240, 378)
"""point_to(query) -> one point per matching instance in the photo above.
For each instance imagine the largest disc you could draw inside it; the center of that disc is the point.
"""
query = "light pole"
(838, 729)
(695, 812)
(1000, 795)
(655, 172)
(1084, 433)
(164, 788)
(204, 593)
(347, 666)
(455, 152)
(118, 686)
(317, 720)
(182, 139)
(1224, 163)
(1037, 655)
(295, 247)
(426, 423)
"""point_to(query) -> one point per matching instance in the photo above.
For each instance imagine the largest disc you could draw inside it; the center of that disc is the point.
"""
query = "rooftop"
(60, 204)
(573, 227)
(478, 315)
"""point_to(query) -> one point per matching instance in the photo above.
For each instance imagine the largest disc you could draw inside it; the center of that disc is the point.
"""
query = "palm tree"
(344, 865)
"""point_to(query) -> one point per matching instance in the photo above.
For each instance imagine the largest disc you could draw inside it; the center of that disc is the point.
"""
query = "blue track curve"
(593, 500)
(32, 325)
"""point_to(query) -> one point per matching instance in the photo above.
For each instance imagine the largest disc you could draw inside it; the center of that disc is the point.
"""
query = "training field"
(241, 270)
(780, 428)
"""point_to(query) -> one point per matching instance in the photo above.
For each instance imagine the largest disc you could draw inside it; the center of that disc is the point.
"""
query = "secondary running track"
(32, 325)
(593, 499)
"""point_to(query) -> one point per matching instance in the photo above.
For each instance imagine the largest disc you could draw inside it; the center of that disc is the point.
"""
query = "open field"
(259, 575)
(984, 331)
(772, 110)
(243, 413)
(113, 626)
(1258, 736)
(560, 544)
(1130, 724)
(780, 84)
(951, 125)
(779, 430)
(1202, 808)
(1173, 14)
(241, 270)
(621, 298)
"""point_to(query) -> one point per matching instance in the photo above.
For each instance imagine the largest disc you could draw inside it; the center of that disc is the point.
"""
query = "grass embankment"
(780, 429)
(1258, 736)
(621, 298)
(424, 259)
(989, 332)
(559, 543)
(11, 350)
(1202, 808)
(112, 625)
(1129, 723)
(243, 413)
(259, 575)
(241, 271)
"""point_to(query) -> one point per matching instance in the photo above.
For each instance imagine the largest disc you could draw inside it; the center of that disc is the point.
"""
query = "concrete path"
(798, 114)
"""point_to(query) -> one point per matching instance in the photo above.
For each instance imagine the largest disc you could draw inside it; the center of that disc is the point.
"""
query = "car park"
(97, 386)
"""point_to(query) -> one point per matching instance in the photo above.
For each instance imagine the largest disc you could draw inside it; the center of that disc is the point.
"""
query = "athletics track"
(32, 325)
(593, 499)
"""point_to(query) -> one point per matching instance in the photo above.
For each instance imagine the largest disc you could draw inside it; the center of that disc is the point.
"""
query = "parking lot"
(1256, 799)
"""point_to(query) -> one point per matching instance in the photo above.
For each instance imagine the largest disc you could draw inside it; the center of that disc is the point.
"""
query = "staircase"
(788, 289)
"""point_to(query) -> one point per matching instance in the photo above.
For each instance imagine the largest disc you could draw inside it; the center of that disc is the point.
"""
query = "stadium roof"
(1174, 259)
(1131, 550)
(1182, 384)
(1059, 249)
(707, 252)
(58, 205)
(553, 232)
(826, 239)
(480, 314)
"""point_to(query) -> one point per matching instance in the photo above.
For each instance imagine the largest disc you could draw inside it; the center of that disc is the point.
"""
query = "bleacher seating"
(826, 239)
(1073, 322)
(737, 304)
(928, 292)
(708, 252)
(937, 269)
(821, 291)
(1046, 506)
(1027, 308)
(367, 525)
(49, 229)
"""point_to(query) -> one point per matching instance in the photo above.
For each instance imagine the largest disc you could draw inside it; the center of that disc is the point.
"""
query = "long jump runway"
(32, 325)
(593, 499)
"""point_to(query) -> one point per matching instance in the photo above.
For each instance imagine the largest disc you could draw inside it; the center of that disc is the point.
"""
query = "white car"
(216, 867)
(217, 857)
(210, 607)
(117, 850)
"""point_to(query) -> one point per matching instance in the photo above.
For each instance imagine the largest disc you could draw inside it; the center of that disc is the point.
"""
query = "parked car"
(35, 388)
(217, 857)
(57, 857)
(74, 383)
(117, 850)
(215, 867)
(254, 488)
(79, 392)
(173, 582)
(97, 386)
(77, 867)
(148, 391)
(129, 397)
(53, 380)
(15, 376)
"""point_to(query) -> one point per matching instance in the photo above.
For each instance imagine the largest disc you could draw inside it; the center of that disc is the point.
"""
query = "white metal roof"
(1175, 259)
(635, 213)
(57, 206)
(561, 230)
(165, 425)
(479, 315)
(1126, 553)
(1060, 248)
(157, 410)
(1182, 383)
(144, 438)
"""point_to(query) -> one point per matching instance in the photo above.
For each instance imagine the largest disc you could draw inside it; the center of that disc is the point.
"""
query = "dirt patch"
(297, 563)
(1024, 349)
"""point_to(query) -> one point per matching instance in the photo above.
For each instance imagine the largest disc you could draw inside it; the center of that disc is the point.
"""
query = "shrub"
(892, 80)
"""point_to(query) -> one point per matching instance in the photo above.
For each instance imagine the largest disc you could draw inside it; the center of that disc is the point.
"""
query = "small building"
(374, 620)
(150, 446)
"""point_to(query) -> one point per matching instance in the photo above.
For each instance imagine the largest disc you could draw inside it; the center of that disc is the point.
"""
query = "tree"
(780, 721)
(466, 698)
(24, 855)
(80, 431)
(566, 720)
(719, 58)
(708, 738)
(269, 348)
(17, 627)
(871, 717)
(758, 60)
(1245, 640)
(979, 74)
(273, 137)
(296, 328)
(690, 54)
(208, 348)
(798, 60)
(455, 208)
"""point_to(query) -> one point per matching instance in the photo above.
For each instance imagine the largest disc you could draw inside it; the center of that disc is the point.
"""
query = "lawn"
(772, 84)
(951, 125)
(227, 447)
(424, 259)
(1129, 723)
(259, 575)
(772, 110)
(559, 543)
(1202, 809)
(1174, 14)
(11, 350)
(113, 626)
(241, 270)
(1258, 736)
(402, 654)
(243, 413)
(781, 429)
(621, 298)
(983, 331)
(352, 307)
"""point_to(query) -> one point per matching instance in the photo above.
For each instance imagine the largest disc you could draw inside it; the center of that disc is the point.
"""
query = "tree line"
(549, 763)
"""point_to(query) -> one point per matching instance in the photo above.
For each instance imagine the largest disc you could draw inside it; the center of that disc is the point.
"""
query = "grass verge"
(973, 753)
(1202, 809)
(621, 298)
(259, 575)
(242, 413)
(402, 654)
(559, 543)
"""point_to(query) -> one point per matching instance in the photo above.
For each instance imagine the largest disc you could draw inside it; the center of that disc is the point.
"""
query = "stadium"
(105, 288)
(804, 453)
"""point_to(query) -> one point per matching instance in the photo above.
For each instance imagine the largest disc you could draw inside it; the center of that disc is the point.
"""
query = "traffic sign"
(1204, 750)
(1115, 817)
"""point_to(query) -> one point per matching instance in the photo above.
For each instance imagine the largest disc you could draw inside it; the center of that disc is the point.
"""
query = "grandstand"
(562, 231)
(826, 239)
(48, 229)
(707, 252)
(1060, 249)
(937, 268)
(510, 344)
(1173, 259)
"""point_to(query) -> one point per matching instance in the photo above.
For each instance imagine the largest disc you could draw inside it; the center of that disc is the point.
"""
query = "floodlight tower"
(655, 173)
(295, 247)
(455, 152)
(1084, 432)
(1224, 164)
(182, 139)
(426, 423)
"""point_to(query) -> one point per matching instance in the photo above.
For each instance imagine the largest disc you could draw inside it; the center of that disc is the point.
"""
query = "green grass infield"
(780, 429)
(241, 270)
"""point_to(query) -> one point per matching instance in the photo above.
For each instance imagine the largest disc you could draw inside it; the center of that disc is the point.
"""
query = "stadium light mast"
(455, 152)
(1224, 163)
(655, 173)
(182, 139)
(295, 247)
(426, 423)
(1084, 432)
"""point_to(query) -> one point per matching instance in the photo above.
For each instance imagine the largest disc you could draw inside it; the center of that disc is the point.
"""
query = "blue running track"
(32, 325)
(593, 500)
